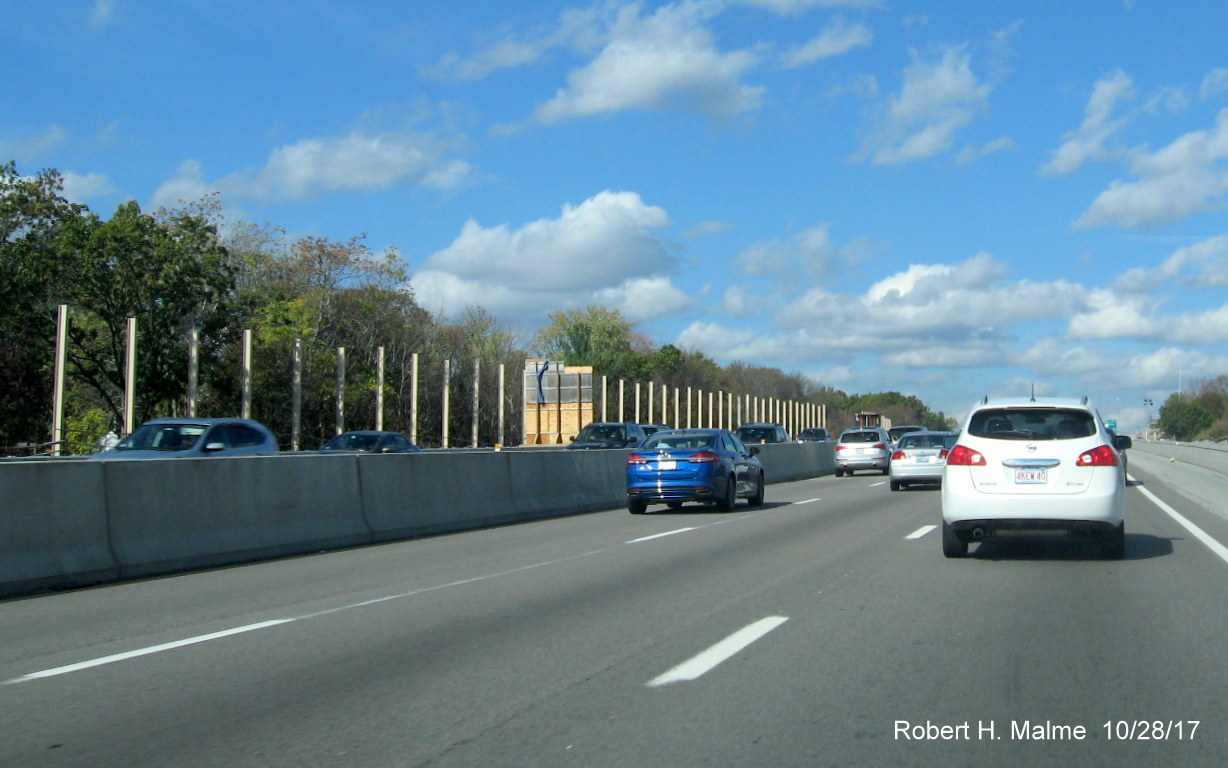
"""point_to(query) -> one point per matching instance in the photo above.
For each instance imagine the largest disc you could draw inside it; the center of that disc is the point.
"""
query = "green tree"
(33, 268)
(1182, 419)
(599, 337)
(171, 275)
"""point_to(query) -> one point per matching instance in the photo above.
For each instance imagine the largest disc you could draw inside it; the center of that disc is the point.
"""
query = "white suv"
(1034, 466)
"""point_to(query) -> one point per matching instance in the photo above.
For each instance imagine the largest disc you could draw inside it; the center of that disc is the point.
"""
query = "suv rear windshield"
(861, 437)
(757, 434)
(1032, 423)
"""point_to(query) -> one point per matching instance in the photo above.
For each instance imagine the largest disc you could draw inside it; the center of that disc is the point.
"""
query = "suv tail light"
(963, 456)
(1101, 456)
(704, 457)
(879, 447)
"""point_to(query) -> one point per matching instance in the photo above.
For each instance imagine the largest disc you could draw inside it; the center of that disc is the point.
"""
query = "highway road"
(823, 629)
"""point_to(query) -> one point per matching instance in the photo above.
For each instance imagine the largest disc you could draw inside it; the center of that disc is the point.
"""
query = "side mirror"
(1122, 442)
(754, 451)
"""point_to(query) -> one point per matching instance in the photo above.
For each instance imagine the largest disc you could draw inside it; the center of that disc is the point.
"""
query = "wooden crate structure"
(558, 401)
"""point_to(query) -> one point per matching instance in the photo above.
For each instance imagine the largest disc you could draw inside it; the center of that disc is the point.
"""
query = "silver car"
(187, 438)
(919, 458)
(863, 448)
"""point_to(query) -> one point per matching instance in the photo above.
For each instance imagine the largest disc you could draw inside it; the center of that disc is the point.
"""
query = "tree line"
(1202, 415)
(186, 270)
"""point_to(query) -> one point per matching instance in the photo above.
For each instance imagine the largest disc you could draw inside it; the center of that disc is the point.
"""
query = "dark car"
(703, 465)
(651, 428)
(194, 438)
(762, 433)
(369, 441)
(609, 434)
(897, 432)
(813, 435)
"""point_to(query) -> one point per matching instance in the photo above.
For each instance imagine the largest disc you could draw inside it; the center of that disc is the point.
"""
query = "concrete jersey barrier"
(1212, 456)
(68, 523)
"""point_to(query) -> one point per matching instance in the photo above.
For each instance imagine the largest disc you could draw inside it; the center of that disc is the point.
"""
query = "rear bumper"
(924, 473)
(975, 530)
(863, 462)
(667, 493)
(1102, 504)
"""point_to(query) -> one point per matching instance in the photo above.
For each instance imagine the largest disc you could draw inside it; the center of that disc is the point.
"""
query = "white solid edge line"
(697, 666)
(144, 651)
(805, 501)
(659, 535)
(1200, 534)
(920, 531)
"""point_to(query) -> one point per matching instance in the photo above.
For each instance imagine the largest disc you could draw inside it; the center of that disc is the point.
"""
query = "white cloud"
(33, 147)
(1187, 176)
(971, 154)
(665, 61)
(935, 102)
(792, 7)
(1113, 316)
(809, 253)
(605, 250)
(187, 184)
(645, 298)
(978, 353)
(707, 229)
(724, 343)
(1204, 264)
(1088, 142)
(737, 301)
(575, 27)
(358, 163)
(1056, 358)
(1215, 83)
(835, 39)
(928, 316)
(80, 188)
(102, 12)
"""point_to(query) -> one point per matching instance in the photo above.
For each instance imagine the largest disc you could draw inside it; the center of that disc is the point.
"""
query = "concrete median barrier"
(785, 462)
(73, 522)
(176, 514)
(1212, 456)
(409, 495)
(53, 526)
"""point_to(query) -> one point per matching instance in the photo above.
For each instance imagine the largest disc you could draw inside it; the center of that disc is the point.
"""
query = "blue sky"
(948, 199)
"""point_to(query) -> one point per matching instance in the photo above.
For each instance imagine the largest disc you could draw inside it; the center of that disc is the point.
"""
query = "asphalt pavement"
(822, 629)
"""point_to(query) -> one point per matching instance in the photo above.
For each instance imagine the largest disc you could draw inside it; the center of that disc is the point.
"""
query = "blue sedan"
(704, 465)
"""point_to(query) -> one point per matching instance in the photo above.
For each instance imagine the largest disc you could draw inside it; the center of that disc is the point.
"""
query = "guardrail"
(72, 522)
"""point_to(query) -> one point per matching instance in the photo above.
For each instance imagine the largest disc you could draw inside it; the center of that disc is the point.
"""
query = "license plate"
(923, 459)
(1031, 476)
(667, 465)
(860, 451)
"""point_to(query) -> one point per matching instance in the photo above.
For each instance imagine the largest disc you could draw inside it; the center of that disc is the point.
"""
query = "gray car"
(194, 438)
(919, 458)
(609, 434)
(761, 433)
(369, 441)
(863, 448)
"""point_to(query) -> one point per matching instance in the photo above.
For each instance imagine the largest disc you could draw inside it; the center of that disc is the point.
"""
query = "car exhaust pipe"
(978, 533)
